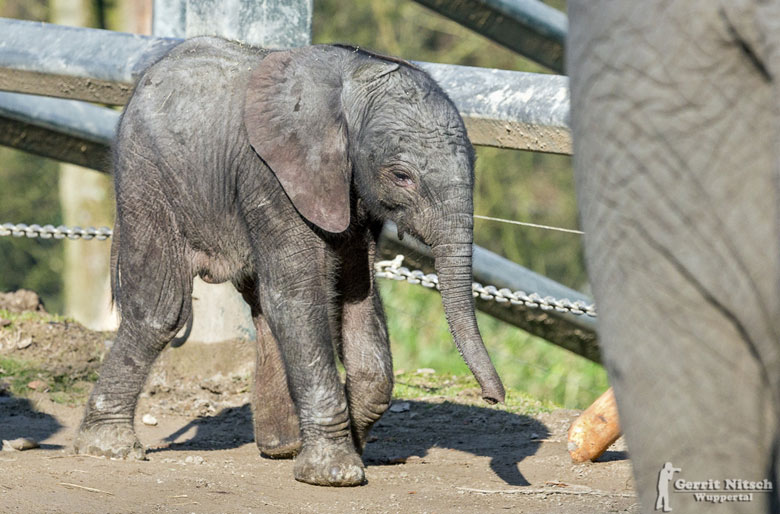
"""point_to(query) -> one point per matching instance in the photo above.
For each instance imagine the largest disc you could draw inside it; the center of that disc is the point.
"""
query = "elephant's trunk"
(453, 252)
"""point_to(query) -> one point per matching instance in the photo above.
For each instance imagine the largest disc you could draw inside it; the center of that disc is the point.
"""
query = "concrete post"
(219, 312)
(266, 23)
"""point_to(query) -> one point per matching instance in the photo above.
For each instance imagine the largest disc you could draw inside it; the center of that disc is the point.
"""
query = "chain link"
(394, 270)
(50, 231)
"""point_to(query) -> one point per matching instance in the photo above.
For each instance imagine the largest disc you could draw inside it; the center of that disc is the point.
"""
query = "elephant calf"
(275, 171)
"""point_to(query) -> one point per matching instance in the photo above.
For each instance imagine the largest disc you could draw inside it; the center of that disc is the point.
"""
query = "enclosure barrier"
(391, 269)
(528, 27)
(573, 330)
(506, 109)
(66, 130)
(500, 108)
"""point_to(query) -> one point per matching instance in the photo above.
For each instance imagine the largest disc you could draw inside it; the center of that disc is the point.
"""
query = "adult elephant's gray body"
(675, 120)
(275, 171)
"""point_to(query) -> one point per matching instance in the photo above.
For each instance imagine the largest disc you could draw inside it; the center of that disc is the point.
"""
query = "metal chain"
(394, 270)
(50, 231)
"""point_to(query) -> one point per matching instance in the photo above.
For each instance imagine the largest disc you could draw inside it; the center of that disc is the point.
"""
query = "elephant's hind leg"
(369, 366)
(365, 346)
(277, 432)
(154, 296)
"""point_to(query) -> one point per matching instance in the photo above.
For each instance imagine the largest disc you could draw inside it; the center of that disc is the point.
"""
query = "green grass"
(30, 316)
(18, 317)
(17, 373)
(530, 365)
(413, 385)
(62, 388)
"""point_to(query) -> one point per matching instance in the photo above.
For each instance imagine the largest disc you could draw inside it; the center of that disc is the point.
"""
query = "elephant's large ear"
(295, 123)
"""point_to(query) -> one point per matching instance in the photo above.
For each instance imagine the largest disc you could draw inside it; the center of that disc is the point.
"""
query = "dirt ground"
(442, 454)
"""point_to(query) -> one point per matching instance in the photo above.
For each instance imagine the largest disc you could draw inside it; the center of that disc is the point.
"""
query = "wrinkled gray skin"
(275, 171)
(675, 122)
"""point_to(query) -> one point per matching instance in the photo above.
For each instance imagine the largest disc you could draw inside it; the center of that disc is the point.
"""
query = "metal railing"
(529, 27)
(507, 109)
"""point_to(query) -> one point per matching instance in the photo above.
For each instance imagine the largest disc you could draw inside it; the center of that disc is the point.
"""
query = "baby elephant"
(275, 170)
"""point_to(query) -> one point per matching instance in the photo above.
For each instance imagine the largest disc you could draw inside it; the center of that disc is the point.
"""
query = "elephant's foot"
(360, 434)
(368, 401)
(113, 440)
(277, 449)
(277, 433)
(329, 464)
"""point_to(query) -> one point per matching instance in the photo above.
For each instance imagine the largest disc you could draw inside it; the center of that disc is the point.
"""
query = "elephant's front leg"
(297, 302)
(365, 346)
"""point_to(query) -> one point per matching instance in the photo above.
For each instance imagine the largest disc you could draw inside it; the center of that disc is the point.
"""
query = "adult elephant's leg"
(296, 294)
(277, 433)
(365, 346)
(672, 122)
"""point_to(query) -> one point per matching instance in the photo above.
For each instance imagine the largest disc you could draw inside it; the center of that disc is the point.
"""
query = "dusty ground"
(446, 453)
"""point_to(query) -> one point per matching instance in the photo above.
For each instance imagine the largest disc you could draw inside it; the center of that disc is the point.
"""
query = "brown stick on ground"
(595, 430)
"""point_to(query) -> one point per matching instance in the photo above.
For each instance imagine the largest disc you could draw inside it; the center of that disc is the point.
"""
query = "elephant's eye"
(402, 179)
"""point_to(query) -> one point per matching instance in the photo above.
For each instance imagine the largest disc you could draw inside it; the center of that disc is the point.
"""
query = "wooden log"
(595, 430)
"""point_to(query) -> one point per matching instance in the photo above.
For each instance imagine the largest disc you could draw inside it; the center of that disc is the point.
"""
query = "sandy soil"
(440, 455)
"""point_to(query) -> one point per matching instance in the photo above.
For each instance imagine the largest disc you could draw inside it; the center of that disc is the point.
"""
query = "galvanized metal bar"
(75, 63)
(66, 130)
(529, 27)
(501, 108)
(169, 18)
(509, 109)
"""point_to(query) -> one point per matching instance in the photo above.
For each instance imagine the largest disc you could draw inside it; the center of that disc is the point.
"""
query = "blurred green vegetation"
(28, 194)
(510, 184)
(63, 388)
(28, 184)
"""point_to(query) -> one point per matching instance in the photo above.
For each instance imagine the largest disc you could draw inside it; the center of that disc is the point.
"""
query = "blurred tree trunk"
(86, 196)
(135, 16)
(86, 199)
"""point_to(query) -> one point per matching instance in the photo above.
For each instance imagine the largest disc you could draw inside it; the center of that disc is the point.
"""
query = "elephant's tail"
(115, 275)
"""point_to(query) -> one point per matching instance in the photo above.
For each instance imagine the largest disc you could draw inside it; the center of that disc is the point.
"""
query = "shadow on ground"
(230, 428)
(504, 437)
(613, 455)
(18, 418)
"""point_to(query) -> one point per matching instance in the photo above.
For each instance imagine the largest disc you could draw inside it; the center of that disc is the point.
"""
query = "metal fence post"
(219, 312)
